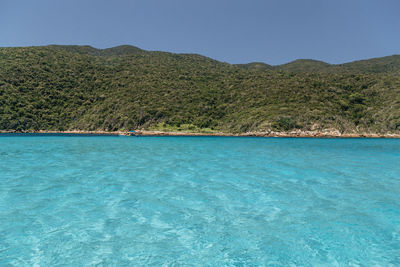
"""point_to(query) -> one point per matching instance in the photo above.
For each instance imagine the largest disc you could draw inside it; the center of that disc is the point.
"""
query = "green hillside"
(375, 65)
(122, 88)
(305, 65)
(255, 66)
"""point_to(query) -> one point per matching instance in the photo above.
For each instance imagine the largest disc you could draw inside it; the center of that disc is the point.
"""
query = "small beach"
(293, 134)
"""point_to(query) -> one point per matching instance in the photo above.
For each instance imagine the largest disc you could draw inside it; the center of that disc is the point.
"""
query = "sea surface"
(198, 201)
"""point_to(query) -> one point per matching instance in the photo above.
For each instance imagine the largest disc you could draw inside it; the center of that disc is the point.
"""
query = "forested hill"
(123, 88)
(375, 65)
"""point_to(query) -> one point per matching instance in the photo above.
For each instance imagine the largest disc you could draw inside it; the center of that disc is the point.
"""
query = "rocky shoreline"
(294, 134)
(310, 134)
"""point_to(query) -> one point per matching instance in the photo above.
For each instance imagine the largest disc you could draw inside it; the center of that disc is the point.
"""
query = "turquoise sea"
(198, 201)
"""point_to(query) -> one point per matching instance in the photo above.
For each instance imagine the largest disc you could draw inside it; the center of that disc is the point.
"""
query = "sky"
(270, 31)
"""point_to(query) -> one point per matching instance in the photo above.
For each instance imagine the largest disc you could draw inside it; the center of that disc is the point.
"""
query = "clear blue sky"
(271, 31)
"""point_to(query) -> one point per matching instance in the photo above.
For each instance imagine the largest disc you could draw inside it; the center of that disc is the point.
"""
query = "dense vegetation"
(123, 88)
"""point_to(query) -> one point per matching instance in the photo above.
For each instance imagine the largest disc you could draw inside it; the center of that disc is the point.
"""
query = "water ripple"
(171, 201)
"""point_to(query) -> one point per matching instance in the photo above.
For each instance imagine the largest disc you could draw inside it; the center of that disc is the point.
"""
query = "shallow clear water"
(119, 201)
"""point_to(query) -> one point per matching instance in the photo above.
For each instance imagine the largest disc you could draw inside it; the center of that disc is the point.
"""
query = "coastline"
(292, 134)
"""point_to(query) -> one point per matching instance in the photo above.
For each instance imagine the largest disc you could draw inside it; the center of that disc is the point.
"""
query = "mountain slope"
(375, 65)
(255, 66)
(304, 65)
(122, 88)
